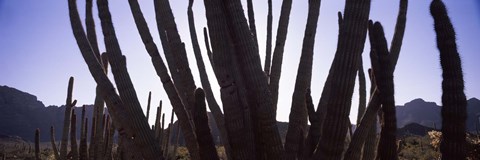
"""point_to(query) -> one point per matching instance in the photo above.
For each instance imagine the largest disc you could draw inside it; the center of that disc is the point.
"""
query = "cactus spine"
(454, 112)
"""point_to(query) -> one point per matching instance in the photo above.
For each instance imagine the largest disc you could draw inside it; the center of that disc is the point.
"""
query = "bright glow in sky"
(38, 52)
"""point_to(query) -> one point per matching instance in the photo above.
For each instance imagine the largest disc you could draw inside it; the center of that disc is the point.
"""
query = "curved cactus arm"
(454, 111)
(207, 45)
(399, 32)
(298, 112)
(90, 28)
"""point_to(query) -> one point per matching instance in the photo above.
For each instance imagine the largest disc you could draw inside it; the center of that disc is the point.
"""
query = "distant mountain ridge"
(21, 113)
(429, 114)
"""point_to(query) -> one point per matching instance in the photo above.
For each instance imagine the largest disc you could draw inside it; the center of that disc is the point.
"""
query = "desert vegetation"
(249, 91)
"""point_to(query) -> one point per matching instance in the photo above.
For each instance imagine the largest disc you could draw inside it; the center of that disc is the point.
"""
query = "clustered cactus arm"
(454, 112)
(37, 144)
(83, 149)
(212, 103)
(162, 72)
(238, 120)
(54, 146)
(350, 46)
(66, 123)
(202, 129)
(73, 135)
(297, 126)
(258, 93)
(276, 68)
(177, 60)
(251, 21)
(117, 108)
(268, 49)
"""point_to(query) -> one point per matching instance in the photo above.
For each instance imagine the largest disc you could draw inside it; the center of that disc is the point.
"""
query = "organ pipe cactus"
(54, 146)
(297, 127)
(66, 123)
(162, 72)
(177, 60)
(202, 129)
(454, 112)
(268, 49)
(350, 46)
(37, 144)
(212, 103)
(117, 109)
(258, 94)
(73, 136)
(169, 133)
(236, 109)
(276, 68)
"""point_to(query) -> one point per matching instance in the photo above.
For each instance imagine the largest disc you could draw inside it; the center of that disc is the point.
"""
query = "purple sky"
(38, 52)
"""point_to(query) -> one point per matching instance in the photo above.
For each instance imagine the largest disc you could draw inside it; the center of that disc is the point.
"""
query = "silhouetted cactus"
(161, 70)
(127, 127)
(73, 136)
(256, 84)
(54, 146)
(454, 112)
(83, 150)
(297, 127)
(238, 120)
(202, 129)
(268, 49)
(176, 56)
(212, 103)
(251, 21)
(276, 69)
(66, 123)
(37, 144)
(350, 46)
(148, 104)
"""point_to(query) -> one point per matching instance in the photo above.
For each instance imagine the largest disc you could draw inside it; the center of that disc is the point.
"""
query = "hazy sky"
(38, 52)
